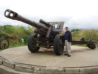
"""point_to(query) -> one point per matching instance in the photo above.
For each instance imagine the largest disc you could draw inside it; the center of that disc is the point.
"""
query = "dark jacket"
(69, 36)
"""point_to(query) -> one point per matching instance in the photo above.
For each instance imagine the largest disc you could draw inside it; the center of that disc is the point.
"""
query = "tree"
(75, 30)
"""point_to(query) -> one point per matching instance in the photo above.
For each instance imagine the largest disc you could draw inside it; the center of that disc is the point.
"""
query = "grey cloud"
(67, 14)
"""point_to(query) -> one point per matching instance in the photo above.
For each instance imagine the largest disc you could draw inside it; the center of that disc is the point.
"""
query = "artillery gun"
(47, 33)
(4, 43)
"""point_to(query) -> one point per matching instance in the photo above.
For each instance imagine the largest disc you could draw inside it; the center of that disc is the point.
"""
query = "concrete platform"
(81, 57)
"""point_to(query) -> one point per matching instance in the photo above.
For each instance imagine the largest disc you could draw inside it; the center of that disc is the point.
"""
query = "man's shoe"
(69, 55)
(65, 54)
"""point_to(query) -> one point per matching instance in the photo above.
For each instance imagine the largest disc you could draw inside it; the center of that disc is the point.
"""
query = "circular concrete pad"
(81, 56)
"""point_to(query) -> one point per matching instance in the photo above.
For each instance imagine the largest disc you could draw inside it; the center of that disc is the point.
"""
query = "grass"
(83, 45)
(17, 45)
(86, 34)
(15, 33)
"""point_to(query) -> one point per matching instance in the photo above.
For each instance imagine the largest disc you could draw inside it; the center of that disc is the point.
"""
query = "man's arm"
(62, 35)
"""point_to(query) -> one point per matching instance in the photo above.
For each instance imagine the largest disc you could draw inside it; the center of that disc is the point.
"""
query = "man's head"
(66, 28)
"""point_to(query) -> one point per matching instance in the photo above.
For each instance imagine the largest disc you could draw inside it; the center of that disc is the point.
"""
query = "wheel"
(58, 45)
(32, 43)
(91, 45)
(4, 43)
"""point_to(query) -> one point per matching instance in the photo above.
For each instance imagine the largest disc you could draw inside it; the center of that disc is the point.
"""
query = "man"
(68, 39)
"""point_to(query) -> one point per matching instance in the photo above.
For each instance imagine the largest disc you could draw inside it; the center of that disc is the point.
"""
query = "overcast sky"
(81, 14)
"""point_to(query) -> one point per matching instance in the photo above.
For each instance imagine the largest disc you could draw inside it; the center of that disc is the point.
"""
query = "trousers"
(68, 47)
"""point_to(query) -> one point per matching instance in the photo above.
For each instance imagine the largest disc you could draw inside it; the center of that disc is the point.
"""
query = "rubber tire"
(30, 44)
(91, 47)
(57, 46)
(2, 40)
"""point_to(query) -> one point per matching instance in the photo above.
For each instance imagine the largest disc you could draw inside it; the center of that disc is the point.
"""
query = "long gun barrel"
(15, 16)
(45, 23)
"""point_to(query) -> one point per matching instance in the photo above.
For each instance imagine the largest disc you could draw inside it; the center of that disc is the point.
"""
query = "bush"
(25, 37)
(14, 33)
(86, 34)
(75, 30)
(90, 34)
